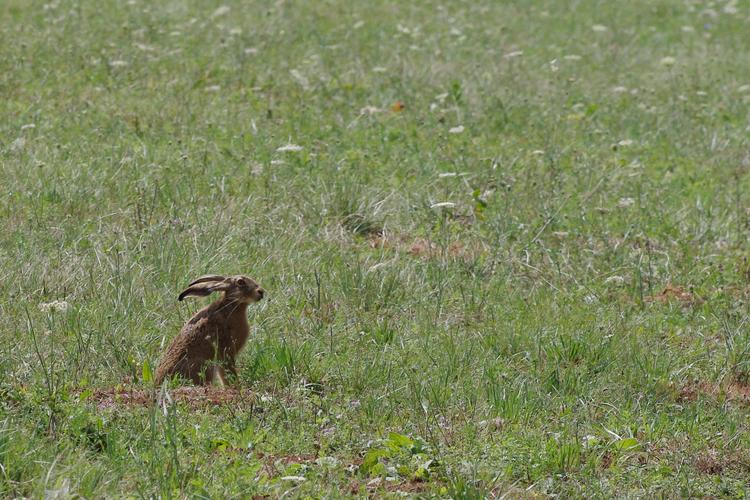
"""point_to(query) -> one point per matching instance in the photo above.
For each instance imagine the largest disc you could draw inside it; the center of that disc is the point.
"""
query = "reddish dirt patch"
(377, 484)
(426, 248)
(691, 391)
(709, 463)
(734, 392)
(192, 396)
(286, 459)
(674, 294)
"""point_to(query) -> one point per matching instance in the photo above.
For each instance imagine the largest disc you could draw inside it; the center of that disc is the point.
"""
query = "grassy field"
(505, 246)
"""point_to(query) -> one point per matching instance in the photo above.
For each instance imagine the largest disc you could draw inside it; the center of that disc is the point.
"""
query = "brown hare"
(209, 342)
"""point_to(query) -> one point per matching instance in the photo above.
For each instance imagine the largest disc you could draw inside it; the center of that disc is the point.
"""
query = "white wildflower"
(18, 144)
(224, 9)
(300, 78)
(514, 54)
(456, 130)
(668, 61)
(625, 202)
(625, 143)
(590, 299)
(369, 110)
(54, 306)
(599, 28)
(731, 7)
(298, 479)
(443, 204)
(616, 280)
(289, 147)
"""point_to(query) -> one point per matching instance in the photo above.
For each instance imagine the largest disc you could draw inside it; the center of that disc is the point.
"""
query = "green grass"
(518, 340)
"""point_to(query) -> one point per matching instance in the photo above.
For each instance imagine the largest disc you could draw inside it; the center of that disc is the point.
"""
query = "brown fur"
(209, 342)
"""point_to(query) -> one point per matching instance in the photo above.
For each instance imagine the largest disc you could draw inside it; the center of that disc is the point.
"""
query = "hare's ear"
(204, 288)
(209, 277)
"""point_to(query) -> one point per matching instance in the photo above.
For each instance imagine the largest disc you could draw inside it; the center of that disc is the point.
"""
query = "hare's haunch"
(209, 342)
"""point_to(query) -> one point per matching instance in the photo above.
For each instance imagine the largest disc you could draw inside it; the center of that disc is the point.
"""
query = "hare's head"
(235, 288)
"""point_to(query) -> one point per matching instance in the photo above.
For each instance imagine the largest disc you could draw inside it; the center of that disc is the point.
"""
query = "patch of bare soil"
(716, 462)
(195, 397)
(409, 486)
(734, 392)
(427, 249)
(674, 294)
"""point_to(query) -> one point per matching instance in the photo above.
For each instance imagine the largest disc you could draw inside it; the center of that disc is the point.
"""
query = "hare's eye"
(241, 282)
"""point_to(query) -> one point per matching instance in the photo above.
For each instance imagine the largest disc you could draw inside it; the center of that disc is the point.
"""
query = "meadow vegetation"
(505, 246)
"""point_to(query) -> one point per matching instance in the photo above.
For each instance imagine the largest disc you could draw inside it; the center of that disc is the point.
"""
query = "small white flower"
(443, 204)
(300, 78)
(369, 110)
(625, 143)
(616, 280)
(731, 7)
(298, 479)
(590, 299)
(456, 130)
(668, 61)
(54, 306)
(515, 53)
(289, 147)
(224, 9)
(599, 28)
(18, 144)
(625, 202)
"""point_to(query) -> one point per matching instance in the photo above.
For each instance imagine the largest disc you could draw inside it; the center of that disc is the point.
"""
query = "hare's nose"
(261, 292)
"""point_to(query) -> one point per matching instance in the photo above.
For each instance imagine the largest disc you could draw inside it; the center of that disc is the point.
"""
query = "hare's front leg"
(232, 368)
(218, 373)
